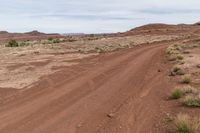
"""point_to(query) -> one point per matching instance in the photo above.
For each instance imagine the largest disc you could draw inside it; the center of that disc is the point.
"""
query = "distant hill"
(4, 35)
(159, 28)
(35, 33)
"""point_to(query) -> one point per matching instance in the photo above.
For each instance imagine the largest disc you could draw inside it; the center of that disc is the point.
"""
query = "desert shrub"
(186, 79)
(189, 90)
(178, 48)
(181, 62)
(171, 51)
(99, 50)
(176, 94)
(192, 101)
(57, 40)
(185, 124)
(24, 43)
(178, 70)
(174, 53)
(12, 43)
(182, 91)
(180, 57)
(172, 58)
(50, 39)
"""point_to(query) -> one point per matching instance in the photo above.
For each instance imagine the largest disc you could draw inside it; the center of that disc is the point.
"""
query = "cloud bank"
(93, 16)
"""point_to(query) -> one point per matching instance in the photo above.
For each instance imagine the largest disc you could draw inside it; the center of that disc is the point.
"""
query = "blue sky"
(93, 16)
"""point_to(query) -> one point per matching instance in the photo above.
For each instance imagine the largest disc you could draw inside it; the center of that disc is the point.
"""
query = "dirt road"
(118, 92)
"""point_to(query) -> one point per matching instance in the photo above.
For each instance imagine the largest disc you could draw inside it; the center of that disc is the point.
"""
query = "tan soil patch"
(19, 72)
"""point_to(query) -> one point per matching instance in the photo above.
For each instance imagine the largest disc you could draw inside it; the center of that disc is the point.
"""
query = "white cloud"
(93, 15)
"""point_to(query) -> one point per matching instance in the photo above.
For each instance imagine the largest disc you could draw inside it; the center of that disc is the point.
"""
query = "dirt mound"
(159, 29)
(154, 26)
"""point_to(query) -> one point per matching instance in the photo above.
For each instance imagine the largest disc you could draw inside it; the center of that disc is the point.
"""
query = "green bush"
(12, 43)
(56, 40)
(50, 39)
(177, 93)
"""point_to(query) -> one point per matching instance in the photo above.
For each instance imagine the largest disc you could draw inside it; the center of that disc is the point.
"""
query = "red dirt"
(118, 92)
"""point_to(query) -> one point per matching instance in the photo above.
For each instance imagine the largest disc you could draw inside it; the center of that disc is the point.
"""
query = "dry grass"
(186, 79)
(190, 90)
(178, 70)
(174, 53)
(192, 101)
(180, 92)
(185, 124)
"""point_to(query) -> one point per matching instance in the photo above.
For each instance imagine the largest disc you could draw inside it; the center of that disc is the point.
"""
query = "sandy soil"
(19, 71)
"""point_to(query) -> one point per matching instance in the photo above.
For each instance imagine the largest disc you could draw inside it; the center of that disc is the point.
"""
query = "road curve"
(117, 92)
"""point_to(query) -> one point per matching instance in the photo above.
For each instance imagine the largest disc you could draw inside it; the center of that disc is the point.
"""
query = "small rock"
(159, 70)
(111, 115)
(198, 66)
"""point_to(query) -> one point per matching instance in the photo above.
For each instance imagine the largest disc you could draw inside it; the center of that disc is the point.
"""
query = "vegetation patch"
(192, 101)
(185, 124)
(180, 92)
(53, 40)
(177, 70)
(190, 90)
(177, 93)
(180, 72)
(180, 57)
(172, 58)
(12, 43)
(186, 79)
(174, 53)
